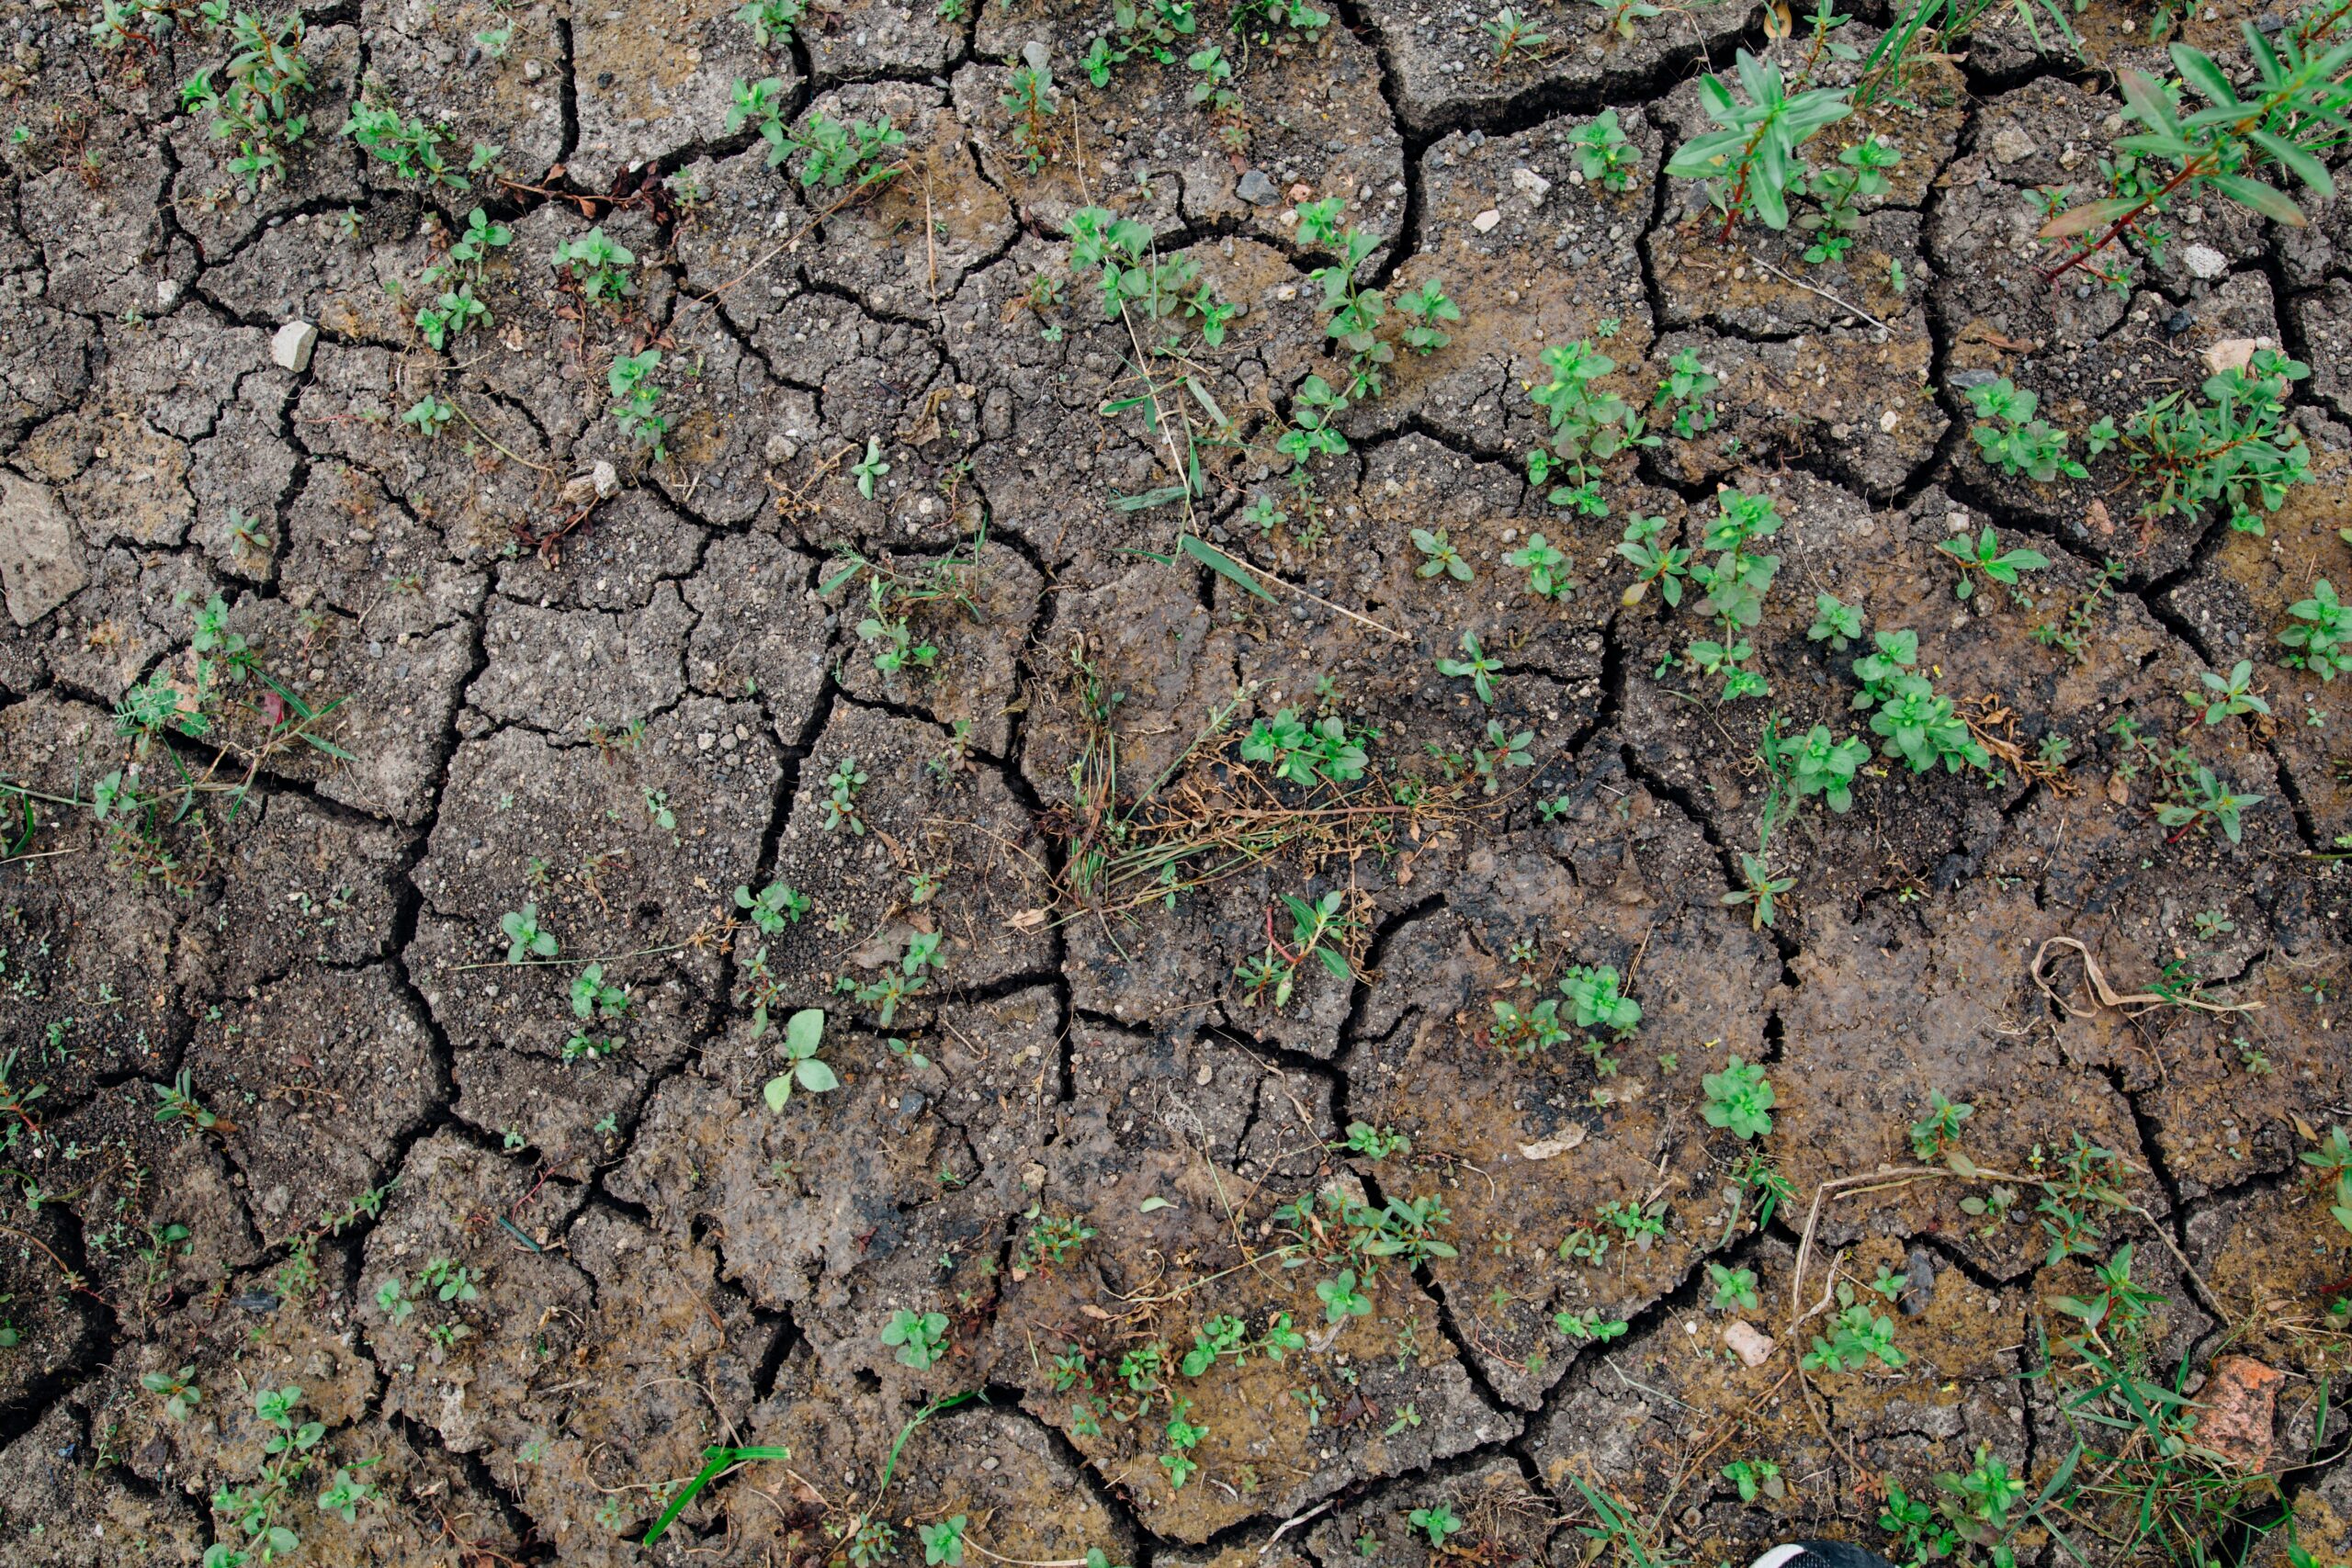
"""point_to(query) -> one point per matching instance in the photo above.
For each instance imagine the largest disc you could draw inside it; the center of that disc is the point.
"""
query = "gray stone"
(1257, 189)
(2204, 261)
(2011, 145)
(40, 567)
(289, 349)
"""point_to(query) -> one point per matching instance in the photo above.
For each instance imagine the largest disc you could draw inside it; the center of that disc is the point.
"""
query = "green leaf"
(2296, 161)
(1224, 565)
(777, 1091)
(1148, 499)
(2090, 216)
(802, 1033)
(2197, 68)
(2262, 198)
(815, 1077)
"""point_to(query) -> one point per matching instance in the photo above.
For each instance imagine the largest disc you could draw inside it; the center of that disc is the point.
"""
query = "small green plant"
(266, 77)
(1604, 156)
(1664, 565)
(1375, 1142)
(1735, 1288)
(1588, 427)
(832, 153)
(1545, 565)
(451, 315)
(181, 1396)
(1513, 38)
(803, 1036)
(598, 265)
(255, 1511)
(1594, 997)
(842, 789)
(1983, 556)
(1440, 557)
(2322, 638)
(1755, 1478)
(1436, 1522)
(773, 907)
(1588, 1328)
(592, 1002)
(1816, 762)
(636, 400)
(429, 415)
(2203, 799)
(1305, 751)
(2234, 449)
(1319, 930)
(942, 1542)
(1740, 1099)
(1939, 1128)
(1857, 1336)
(413, 147)
(920, 1339)
(1749, 162)
(2115, 1314)
(1839, 189)
(2229, 696)
(1683, 394)
(1053, 1239)
(1423, 307)
(1980, 1499)
(1835, 622)
(1340, 1298)
(2218, 149)
(1475, 667)
(525, 940)
(870, 466)
(2013, 438)
(1029, 95)
(772, 22)
(175, 1102)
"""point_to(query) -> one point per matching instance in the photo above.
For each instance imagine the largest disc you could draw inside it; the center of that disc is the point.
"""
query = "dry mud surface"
(520, 1285)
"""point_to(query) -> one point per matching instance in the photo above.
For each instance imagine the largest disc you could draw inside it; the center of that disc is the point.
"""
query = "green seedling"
(2230, 696)
(920, 1339)
(1305, 751)
(525, 940)
(2321, 639)
(1440, 557)
(1749, 162)
(772, 23)
(1755, 1478)
(1939, 1128)
(803, 1036)
(1739, 1097)
(1545, 566)
(1664, 565)
(1513, 38)
(1835, 622)
(1983, 556)
(598, 265)
(2204, 799)
(1735, 1288)
(1476, 668)
(2012, 438)
(773, 907)
(1437, 1522)
(1340, 1298)
(181, 1396)
(1604, 156)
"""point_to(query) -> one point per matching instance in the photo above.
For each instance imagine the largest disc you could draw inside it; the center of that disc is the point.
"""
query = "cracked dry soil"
(521, 1283)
